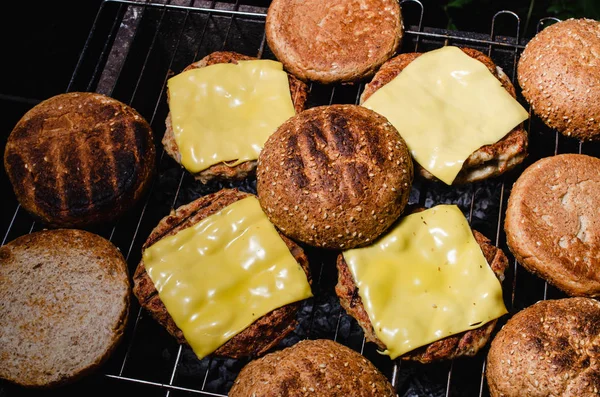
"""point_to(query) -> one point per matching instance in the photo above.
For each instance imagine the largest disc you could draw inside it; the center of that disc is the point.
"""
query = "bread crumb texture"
(552, 224)
(335, 40)
(64, 299)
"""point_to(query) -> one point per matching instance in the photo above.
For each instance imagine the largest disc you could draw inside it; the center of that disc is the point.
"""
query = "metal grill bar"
(420, 36)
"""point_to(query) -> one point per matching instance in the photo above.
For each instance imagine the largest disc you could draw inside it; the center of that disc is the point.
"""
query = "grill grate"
(131, 51)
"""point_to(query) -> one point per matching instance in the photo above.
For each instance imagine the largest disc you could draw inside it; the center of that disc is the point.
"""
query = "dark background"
(42, 41)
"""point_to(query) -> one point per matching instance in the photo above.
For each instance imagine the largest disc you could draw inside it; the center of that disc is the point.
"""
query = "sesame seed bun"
(333, 41)
(559, 72)
(319, 368)
(548, 349)
(552, 224)
(334, 176)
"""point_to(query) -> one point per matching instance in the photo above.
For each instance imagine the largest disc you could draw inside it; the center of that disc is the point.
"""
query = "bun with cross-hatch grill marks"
(334, 176)
(79, 158)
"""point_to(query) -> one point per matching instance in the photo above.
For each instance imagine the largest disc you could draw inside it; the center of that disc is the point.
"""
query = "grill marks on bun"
(79, 158)
(343, 170)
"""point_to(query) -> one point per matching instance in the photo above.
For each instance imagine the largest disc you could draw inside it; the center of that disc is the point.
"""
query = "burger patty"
(298, 91)
(465, 343)
(261, 335)
(487, 161)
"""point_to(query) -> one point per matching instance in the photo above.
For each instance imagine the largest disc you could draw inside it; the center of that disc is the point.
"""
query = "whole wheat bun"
(333, 41)
(260, 336)
(552, 223)
(80, 158)
(486, 162)
(548, 349)
(320, 368)
(64, 301)
(463, 344)
(334, 176)
(559, 72)
(222, 171)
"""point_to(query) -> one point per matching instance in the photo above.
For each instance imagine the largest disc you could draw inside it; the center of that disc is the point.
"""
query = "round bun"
(552, 224)
(333, 41)
(334, 176)
(262, 334)
(487, 161)
(320, 368)
(223, 171)
(64, 301)
(548, 349)
(79, 158)
(559, 72)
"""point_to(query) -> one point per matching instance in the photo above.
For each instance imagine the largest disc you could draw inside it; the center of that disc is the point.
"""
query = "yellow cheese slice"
(426, 279)
(220, 275)
(226, 112)
(446, 105)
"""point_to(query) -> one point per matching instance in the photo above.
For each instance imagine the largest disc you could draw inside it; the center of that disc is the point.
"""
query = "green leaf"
(458, 3)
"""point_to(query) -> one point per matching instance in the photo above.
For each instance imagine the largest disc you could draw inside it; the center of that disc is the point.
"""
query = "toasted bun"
(466, 343)
(320, 368)
(64, 300)
(222, 171)
(261, 335)
(79, 158)
(552, 224)
(333, 41)
(548, 349)
(559, 72)
(334, 176)
(487, 161)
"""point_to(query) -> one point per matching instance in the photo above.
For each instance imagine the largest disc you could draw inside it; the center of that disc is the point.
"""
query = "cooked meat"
(463, 344)
(487, 161)
(261, 335)
(221, 171)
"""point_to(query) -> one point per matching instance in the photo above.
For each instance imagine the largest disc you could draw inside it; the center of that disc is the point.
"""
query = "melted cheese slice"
(220, 275)
(226, 112)
(426, 279)
(446, 105)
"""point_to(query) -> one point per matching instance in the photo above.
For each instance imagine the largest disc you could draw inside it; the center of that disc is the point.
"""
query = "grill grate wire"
(175, 35)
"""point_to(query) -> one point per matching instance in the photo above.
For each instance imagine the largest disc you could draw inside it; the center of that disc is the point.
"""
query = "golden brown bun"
(466, 343)
(559, 72)
(334, 176)
(320, 368)
(333, 41)
(548, 349)
(79, 158)
(221, 171)
(552, 224)
(487, 161)
(64, 300)
(262, 334)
